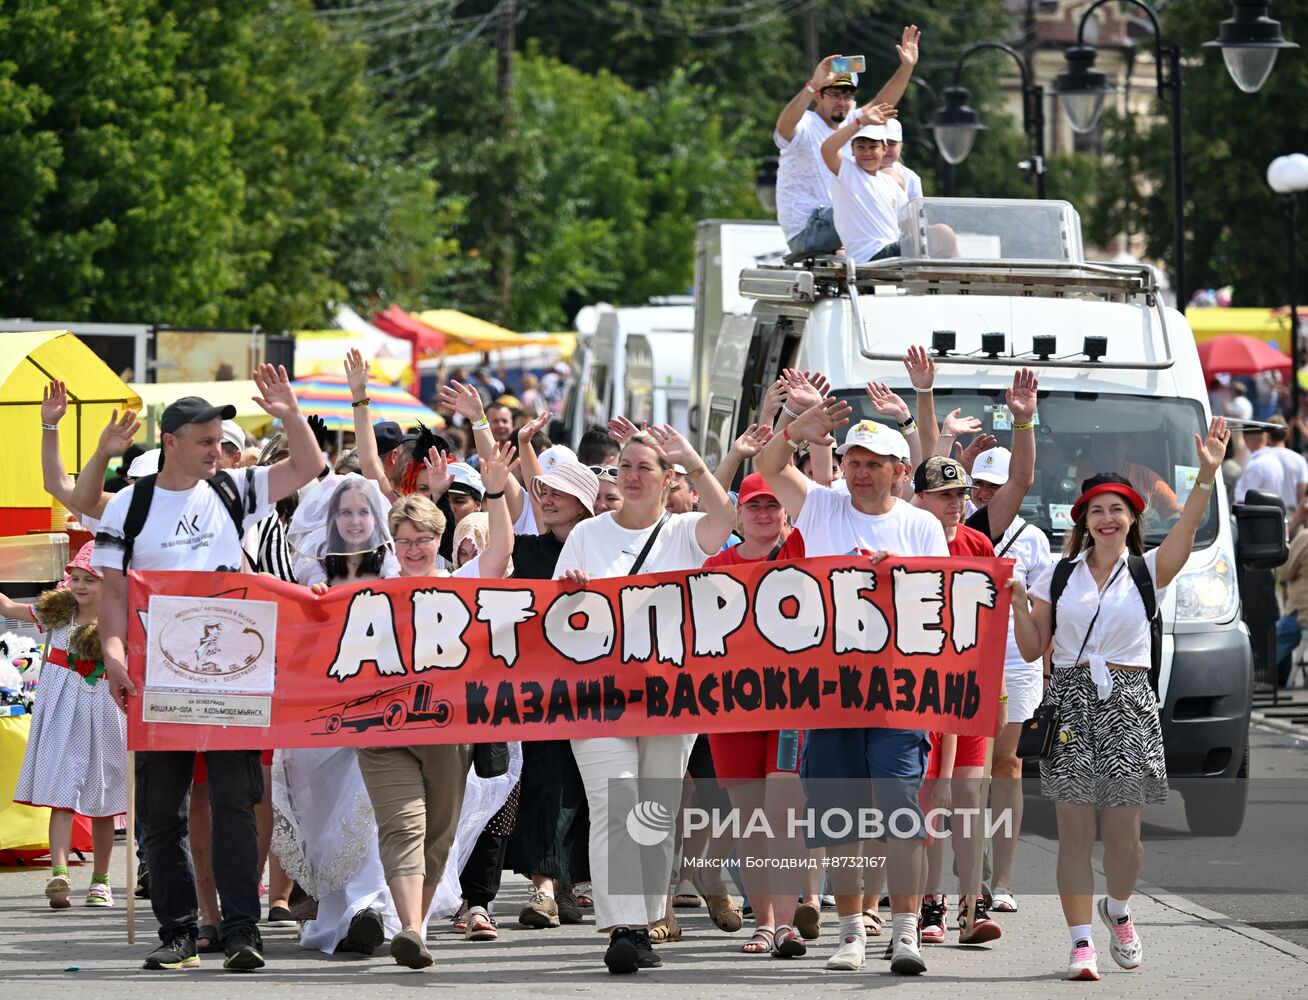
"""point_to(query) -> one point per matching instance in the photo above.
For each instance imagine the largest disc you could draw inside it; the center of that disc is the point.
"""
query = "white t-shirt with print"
(803, 178)
(600, 547)
(185, 529)
(833, 526)
(867, 209)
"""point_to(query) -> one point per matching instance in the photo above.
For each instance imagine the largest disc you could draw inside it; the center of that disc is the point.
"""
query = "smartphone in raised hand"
(848, 64)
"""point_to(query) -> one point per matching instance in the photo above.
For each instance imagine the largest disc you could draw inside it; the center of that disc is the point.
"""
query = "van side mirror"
(1260, 525)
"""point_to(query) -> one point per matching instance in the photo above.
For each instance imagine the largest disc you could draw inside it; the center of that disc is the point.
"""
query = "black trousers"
(480, 878)
(163, 779)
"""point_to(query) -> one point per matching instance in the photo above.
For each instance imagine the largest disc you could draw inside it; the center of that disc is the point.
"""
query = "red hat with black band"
(1107, 482)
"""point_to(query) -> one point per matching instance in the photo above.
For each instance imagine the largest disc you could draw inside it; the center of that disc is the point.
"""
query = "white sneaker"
(1124, 943)
(849, 956)
(906, 959)
(1082, 964)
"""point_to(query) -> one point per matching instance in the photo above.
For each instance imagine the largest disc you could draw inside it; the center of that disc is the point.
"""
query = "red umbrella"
(1236, 354)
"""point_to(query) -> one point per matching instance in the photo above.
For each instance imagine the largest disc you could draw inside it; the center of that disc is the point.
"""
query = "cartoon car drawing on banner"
(407, 705)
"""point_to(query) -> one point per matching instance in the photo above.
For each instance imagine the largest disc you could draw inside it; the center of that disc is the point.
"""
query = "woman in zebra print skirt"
(1107, 756)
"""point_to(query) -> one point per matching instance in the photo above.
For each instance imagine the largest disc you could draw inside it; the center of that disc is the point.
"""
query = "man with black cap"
(390, 441)
(191, 524)
(803, 181)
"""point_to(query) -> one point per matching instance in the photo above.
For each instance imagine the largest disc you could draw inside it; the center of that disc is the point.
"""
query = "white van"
(1120, 382)
(657, 378)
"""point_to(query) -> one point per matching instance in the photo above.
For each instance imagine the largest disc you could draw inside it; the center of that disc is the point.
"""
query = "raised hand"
(1212, 448)
(358, 372)
(750, 443)
(907, 49)
(773, 400)
(463, 400)
(921, 368)
(822, 74)
(887, 403)
(675, 447)
(533, 427)
(956, 425)
(1021, 397)
(277, 399)
(815, 424)
(436, 466)
(497, 467)
(621, 429)
(877, 114)
(801, 393)
(119, 433)
(982, 442)
(54, 402)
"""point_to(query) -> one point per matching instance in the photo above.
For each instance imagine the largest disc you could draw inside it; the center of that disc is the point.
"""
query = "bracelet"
(808, 85)
(493, 496)
(789, 412)
(785, 436)
(49, 427)
(906, 423)
(696, 472)
(1024, 427)
(481, 425)
(361, 402)
(1198, 482)
(1003, 699)
(921, 391)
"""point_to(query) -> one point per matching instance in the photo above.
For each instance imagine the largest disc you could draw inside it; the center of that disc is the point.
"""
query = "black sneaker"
(143, 882)
(645, 956)
(176, 952)
(623, 956)
(280, 916)
(366, 933)
(244, 948)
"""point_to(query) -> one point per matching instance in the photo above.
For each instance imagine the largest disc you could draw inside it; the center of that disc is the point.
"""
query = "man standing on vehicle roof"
(189, 526)
(803, 181)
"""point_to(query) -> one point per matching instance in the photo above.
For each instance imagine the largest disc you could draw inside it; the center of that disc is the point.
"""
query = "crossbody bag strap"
(649, 544)
(776, 551)
(1009, 544)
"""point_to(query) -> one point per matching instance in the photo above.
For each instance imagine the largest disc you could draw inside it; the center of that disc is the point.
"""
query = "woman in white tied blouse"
(1108, 753)
(615, 769)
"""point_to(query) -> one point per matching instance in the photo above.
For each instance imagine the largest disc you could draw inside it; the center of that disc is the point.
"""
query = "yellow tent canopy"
(1209, 322)
(468, 333)
(28, 361)
(156, 396)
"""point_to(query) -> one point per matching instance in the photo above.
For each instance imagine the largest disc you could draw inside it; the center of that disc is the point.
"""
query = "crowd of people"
(367, 846)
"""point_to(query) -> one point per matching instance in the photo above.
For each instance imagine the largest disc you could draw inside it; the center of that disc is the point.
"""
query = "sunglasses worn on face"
(605, 471)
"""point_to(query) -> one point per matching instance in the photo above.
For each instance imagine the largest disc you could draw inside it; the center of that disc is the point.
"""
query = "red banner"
(238, 661)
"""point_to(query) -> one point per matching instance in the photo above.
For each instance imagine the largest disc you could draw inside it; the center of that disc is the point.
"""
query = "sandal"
(459, 922)
(481, 926)
(788, 944)
(585, 895)
(1003, 901)
(724, 912)
(207, 933)
(808, 921)
(872, 923)
(663, 931)
(760, 943)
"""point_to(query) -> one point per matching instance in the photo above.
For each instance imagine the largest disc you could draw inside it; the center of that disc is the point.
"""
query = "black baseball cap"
(192, 410)
(388, 435)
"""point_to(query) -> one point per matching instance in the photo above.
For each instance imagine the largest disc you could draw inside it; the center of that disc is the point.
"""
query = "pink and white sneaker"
(1124, 945)
(1082, 964)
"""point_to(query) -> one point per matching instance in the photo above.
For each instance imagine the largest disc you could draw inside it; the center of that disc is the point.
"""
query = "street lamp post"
(1082, 90)
(956, 124)
(1288, 175)
(1250, 41)
(944, 168)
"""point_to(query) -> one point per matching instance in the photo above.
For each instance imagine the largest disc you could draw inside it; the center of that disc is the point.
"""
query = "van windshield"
(1148, 439)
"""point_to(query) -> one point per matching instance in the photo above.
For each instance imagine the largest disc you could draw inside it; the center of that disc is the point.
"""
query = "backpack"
(223, 484)
(1140, 574)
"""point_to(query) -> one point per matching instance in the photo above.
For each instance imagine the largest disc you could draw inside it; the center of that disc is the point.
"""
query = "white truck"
(1120, 382)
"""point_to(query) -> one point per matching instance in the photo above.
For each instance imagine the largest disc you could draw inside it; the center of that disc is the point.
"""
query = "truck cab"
(1121, 389)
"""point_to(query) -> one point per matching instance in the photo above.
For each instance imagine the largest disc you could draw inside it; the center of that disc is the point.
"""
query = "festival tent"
(329, 397)
(468, 333)
(1235, 354)
(28, 361)
(1268, 325)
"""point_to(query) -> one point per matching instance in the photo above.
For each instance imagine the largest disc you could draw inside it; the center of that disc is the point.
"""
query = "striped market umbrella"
(328, 396)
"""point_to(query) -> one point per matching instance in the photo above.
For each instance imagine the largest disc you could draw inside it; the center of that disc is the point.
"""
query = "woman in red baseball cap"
(1107, 756)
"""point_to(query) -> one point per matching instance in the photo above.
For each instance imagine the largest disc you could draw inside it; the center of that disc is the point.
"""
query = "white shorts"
(1025, 691)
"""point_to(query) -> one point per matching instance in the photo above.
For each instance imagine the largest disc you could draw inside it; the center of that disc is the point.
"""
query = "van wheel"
(1218, 811)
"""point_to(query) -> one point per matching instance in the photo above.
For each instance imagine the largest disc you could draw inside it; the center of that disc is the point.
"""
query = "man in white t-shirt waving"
(803, 183)
(868, 519)
(191, 524)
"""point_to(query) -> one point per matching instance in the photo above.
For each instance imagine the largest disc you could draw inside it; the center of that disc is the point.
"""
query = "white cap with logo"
(876, 438)
(992, 466)
(552, 456)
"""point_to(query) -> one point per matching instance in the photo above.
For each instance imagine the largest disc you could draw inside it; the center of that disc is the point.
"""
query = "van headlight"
(1208, 591)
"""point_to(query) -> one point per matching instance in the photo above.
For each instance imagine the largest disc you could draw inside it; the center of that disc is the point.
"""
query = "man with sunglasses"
(803, 180)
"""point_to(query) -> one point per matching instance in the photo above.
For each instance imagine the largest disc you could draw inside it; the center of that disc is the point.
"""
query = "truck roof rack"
(830, 277)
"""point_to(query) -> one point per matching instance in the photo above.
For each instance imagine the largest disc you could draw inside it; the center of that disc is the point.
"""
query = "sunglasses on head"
(605, 471)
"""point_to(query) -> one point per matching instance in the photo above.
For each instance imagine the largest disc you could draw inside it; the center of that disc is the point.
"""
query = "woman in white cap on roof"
(641, 537)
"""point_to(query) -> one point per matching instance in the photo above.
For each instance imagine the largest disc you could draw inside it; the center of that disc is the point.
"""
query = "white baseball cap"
(551, 457)
(467, 479)
(894, 131)
(877, 439)
(992, 466)
(146, 464)
(871, 132)
(233, 435)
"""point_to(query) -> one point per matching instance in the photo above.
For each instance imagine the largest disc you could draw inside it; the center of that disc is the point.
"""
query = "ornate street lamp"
(1250, 41)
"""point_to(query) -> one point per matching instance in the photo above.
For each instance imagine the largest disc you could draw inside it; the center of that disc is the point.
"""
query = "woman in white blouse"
(1108, 752)
(613, 767)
